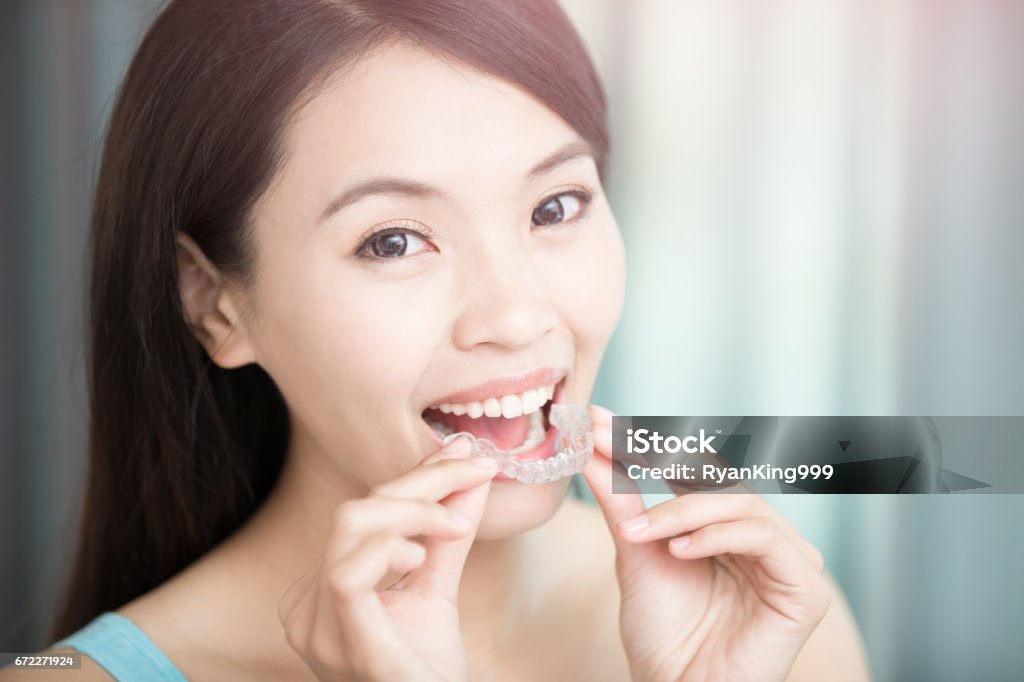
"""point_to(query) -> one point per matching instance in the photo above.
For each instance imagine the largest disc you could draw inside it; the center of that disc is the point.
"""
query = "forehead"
(401, 108)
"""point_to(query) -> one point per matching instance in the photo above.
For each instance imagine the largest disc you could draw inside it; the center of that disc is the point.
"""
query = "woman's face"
(472, 262)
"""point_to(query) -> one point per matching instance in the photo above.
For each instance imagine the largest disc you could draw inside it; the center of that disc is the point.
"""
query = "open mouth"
(518, 424)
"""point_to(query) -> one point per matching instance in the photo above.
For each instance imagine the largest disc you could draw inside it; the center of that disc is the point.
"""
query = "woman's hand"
(351, 617)
(715, 586)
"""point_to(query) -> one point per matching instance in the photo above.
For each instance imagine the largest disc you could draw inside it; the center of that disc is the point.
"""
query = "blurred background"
(822, 203)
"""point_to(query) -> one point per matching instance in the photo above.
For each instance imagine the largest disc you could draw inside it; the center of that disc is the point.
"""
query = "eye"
(392, 243)
(562, 208)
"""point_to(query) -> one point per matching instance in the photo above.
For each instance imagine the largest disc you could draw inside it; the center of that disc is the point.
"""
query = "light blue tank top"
(125, 651)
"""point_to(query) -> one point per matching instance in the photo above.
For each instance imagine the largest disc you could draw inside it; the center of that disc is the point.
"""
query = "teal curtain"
(822, 213)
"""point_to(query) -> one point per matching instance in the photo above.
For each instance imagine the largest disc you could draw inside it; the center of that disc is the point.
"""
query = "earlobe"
(209, 308)
(227, 339)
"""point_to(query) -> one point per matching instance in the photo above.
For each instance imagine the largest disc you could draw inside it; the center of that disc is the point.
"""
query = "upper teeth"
(508, 406)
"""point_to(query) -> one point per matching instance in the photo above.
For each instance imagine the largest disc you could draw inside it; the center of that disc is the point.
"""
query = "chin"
(515, 507)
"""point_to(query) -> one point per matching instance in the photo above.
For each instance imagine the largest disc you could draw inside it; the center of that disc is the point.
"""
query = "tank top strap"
(124, 650)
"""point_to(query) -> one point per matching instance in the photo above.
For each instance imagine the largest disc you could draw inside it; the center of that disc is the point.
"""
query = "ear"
(211, 308)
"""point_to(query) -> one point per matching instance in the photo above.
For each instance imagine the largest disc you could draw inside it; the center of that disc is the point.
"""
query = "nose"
(505, 302)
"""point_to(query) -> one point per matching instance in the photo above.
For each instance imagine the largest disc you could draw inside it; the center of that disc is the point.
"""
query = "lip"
(544, 450)
(497, 388)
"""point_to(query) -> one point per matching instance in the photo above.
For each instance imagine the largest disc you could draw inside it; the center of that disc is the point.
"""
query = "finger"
(457, 448)
(355, 520)
(759, 538)
(810, 551)
(766, 508)
(446, 558)
(293, 595)
(603, 477)
(689, 512)
(440, 478)
(350, 587)
(600, 416)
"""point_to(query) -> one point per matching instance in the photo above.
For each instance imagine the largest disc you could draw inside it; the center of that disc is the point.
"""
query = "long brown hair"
(181, 451)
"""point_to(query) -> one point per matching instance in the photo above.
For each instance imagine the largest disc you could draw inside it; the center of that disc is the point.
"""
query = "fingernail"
(680, 542)
(455, 443)
(638, 522)
(485, 462)
(460, 520)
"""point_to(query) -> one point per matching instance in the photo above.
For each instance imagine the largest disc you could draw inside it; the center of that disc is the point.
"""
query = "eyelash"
(582, 193)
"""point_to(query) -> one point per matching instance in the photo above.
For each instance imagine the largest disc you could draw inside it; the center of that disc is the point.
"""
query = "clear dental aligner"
(574, 446)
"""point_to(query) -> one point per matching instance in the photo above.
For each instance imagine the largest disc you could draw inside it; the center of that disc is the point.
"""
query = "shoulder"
(213, 620)
(189, 625)
(834, 650)
(147, 638)
(90, 671)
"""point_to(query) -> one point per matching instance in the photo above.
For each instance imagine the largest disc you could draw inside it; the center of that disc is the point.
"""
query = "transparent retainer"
(574, 446)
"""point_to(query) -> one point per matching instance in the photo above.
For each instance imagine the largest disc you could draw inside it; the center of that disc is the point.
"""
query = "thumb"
(603, 475)
(441, 571)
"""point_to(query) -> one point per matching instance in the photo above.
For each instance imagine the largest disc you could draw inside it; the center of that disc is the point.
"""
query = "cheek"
(336, 339)
(589, 283)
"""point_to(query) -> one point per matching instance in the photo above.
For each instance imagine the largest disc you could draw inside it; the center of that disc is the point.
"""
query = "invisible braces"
(574, 446)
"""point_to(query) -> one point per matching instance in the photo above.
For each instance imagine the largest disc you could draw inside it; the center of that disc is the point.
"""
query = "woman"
(316, 224)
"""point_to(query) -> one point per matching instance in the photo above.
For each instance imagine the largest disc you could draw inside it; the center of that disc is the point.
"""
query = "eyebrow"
(386, 185)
